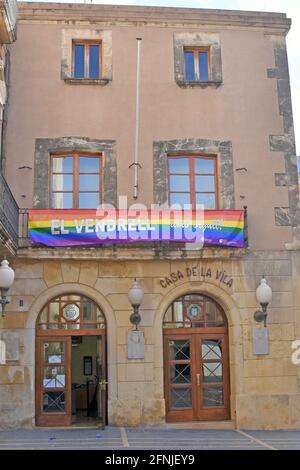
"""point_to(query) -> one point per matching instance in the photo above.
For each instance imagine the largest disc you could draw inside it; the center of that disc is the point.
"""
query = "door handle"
(198, 379)
(103, 384)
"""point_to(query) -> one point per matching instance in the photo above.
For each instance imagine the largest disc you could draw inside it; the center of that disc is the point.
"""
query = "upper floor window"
(193, 180)
(86, 59)
(76, 181)
(196, 64)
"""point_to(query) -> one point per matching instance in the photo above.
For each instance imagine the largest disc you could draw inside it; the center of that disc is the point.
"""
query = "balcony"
(8, 21)
(9, 219)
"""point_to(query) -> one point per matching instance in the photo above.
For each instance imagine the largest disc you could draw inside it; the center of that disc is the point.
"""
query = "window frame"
(192, 175)
(199, 299)
(86, 44)
(75, 192)
(63, 324)
(196, 51)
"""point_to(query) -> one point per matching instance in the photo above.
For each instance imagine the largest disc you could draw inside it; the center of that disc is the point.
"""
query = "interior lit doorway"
(71, 385)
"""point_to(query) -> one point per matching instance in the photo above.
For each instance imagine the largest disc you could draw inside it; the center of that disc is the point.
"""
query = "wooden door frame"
(182, 414)
(219, 413)
(103, 396)
(63, 419)
(56, 418)
(195, 335)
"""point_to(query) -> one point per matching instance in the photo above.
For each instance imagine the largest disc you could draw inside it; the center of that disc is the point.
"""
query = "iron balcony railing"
(9, 15)
(9, 215)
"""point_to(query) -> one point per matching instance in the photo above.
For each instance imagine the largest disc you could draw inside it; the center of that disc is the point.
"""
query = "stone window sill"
(87, 81)
(198, 83)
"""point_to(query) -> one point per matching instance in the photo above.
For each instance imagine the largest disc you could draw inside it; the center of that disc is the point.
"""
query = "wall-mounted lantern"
(263, 297)
(135, 296)
(7, 277)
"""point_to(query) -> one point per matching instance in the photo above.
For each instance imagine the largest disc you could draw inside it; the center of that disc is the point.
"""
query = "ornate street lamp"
(263, 297)
(135, 296)
(7, 277)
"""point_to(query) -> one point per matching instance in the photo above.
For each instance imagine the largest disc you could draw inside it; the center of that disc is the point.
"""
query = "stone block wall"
(265, 390)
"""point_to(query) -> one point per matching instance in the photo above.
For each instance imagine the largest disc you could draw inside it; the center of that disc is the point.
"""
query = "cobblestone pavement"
(154, 438)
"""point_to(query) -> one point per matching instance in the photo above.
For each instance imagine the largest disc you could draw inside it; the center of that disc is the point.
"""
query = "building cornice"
(272, 23)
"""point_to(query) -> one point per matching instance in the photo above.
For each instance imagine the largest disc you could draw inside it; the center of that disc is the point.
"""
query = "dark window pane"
(88, 200)
(54, 402)
(179, 165)
(208, 200)
(180, 373)
(179, 183)
(210, 311)
(62, 182)
(181, 398)
(204, 165)
(179, 350)
(62, 200)
(203, 65)
(79, 61)
(213, 396)
(205, 183)
(94, 62)
(88, 164)
(189, 65)
(220, 318)
(180, 198)
(88, 182)
(87, 311)
(63, 165)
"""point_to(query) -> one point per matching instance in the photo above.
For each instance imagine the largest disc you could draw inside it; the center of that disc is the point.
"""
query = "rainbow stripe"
(79, 227)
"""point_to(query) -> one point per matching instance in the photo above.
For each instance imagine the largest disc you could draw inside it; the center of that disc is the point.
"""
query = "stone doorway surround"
(234, 333)
(111, 331)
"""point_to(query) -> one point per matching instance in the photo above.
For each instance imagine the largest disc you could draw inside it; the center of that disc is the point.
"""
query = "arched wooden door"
(64, 321)
(196, 360)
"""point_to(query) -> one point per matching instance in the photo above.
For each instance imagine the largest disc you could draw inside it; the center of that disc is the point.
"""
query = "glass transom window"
(71, 312)
(194, 311)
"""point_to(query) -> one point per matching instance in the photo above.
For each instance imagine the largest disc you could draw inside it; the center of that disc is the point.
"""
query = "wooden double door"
(196, 374)
(54, 381)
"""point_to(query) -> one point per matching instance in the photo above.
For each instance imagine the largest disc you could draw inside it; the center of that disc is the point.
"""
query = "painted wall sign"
(197, 271)
(75, 227)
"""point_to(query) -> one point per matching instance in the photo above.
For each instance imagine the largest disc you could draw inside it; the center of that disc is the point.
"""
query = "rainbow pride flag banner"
(80, 227)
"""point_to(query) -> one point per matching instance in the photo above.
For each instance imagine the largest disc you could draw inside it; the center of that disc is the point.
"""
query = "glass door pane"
(212, 377)
(180, 384)
(53, 384)
(54, 402)
(54, 377)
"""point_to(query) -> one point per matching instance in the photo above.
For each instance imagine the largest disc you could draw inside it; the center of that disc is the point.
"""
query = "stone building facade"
(242, 115)
(9, 211)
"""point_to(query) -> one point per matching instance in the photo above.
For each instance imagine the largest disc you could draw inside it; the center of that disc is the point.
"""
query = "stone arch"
(225, 300)
(111, 330)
